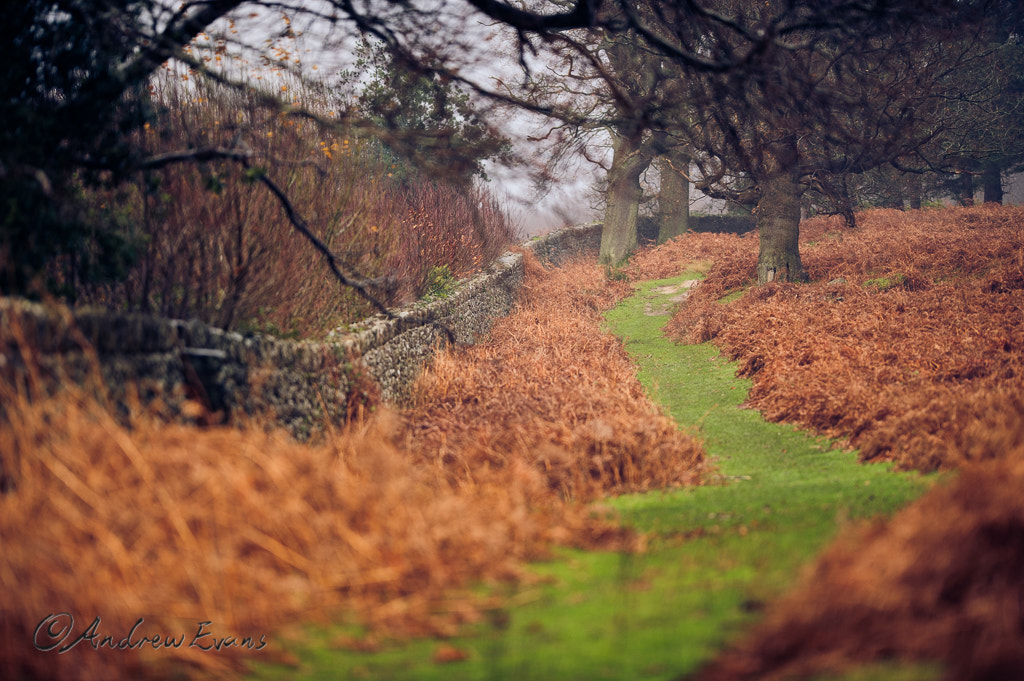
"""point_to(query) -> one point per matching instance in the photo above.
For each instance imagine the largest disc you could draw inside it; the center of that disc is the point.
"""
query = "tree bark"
(778, 221)
(674, 197)
(992, 181)
(845, 202)
(966, 186)
(618, 235)
(915, 190)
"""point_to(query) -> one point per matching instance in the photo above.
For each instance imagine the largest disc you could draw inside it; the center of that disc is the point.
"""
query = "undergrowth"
(549, 389)
(389, 521)
(924, 370)
(908, 372)
(939, 582)
(397, 519)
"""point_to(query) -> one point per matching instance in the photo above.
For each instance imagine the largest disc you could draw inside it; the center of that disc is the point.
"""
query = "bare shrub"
(216, 246)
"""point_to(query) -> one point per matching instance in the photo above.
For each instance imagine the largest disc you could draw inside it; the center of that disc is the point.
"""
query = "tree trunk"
(966, 186)
(993, 183)
(915, 190)
(618, 235)
(778, 221)
(674, 198)
(845, 202)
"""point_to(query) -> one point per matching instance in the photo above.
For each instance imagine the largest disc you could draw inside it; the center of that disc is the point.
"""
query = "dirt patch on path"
(665, 297)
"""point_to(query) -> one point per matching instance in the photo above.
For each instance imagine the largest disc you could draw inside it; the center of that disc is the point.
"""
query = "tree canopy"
(772, 97)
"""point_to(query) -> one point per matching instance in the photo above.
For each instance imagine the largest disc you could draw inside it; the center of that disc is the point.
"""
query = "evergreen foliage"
(66, 113)
(431, 121)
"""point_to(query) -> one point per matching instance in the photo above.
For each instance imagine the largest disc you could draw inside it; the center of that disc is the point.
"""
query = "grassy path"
(715, 554)
(778, 478)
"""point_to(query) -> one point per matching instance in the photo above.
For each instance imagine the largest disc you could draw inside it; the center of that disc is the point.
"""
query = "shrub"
(903, 365)
(218, 247)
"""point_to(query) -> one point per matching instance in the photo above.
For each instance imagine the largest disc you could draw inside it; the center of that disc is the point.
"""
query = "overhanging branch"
(582, 15)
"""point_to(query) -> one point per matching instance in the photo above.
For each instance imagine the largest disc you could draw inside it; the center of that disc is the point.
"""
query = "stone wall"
(557, 246)
(647, 227)
(394, 350)
(723, 224)
(299, 383)
(174, 360)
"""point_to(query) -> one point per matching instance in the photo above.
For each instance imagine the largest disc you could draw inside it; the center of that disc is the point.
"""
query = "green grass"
(716, 554)
(886, 283)
(734, 295)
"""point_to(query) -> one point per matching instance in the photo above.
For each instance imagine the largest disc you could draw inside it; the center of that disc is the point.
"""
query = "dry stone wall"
(560, 245)
(174, 360)
(394, 350)
(301, 384)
